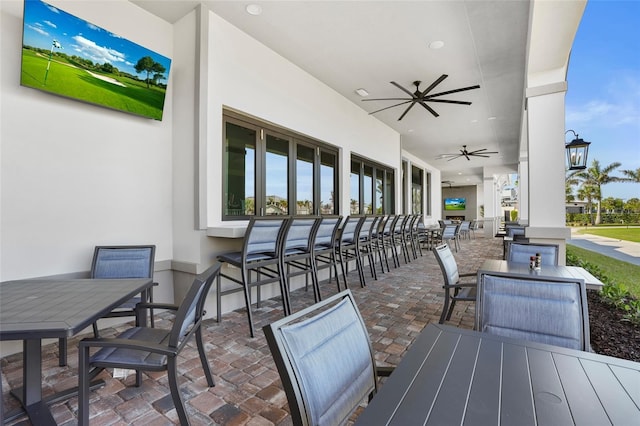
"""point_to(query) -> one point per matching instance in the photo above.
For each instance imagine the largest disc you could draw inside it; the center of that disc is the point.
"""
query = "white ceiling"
(367, 44)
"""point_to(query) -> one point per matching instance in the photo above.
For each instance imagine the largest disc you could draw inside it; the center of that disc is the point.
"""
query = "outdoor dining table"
(516, 269)
(452, 376)
(35, 309)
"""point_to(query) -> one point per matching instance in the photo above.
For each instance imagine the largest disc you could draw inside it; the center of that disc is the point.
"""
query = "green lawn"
(618, 271)
(68, 80)
(621, 233)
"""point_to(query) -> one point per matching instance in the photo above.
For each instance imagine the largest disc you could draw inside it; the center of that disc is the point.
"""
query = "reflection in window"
(327, 182)
(416, 190)
(272, 171)
(304, 180)
(379, 191)
(367, 191)
(240, 154)
(277, 170)
(389, 193)
(354, 184)
(372, 188)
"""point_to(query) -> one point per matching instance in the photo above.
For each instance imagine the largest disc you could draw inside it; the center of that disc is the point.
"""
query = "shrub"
(614, 294)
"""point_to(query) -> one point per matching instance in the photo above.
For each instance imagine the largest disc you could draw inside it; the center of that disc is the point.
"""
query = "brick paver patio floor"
(395, 308)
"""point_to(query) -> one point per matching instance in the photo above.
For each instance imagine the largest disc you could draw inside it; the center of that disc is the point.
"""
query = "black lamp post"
(577, 151)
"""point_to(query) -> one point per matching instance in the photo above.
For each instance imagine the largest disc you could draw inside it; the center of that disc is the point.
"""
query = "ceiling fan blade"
(467, 157)
(479, 155)
(431, 110)
(433, 85)
(448, 92)
(480, 152)
(413, 96)
(382, 109)
(387, 99)
(453, 158)
(445, 101)
(406, 110)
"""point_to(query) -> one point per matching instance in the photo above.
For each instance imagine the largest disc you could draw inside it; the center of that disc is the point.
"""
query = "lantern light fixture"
(577, 151)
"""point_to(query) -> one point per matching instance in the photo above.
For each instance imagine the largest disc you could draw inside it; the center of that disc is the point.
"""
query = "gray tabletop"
(546, 271)
(50, 308)
(451, 376)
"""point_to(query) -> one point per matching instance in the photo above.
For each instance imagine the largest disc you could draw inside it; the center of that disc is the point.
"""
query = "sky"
(44, 23)
(603, 97)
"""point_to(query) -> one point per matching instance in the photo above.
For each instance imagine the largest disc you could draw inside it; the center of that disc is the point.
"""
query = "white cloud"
(51, 8)
(620, 105)
(97, 53)
(51, 24)
(38, 30)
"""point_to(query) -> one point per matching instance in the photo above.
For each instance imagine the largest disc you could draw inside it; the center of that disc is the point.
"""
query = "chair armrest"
(460, 285)
(142, 345)
(470, 274)
(384, 371)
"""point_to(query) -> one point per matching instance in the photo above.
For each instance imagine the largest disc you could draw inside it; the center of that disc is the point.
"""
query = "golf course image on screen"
(68, 56)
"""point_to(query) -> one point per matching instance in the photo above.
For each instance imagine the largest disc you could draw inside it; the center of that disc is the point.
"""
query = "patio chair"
(377, 241)
(325, 245)
(114, 262)
(454, 289)
(150, 349)
(521, 252)
(451, 233)
(388, 239)
(325, 361)
(259, 254)
(399, 240)
(545, 310)
(296, 254)
(348, 249)
(465, 230)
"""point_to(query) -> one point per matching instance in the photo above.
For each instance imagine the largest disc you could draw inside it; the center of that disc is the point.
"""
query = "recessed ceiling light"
(410, 130)
(474, 121)
(437, 44)
(459, 173)
(254, 9)
(491, 118)
(362, 92)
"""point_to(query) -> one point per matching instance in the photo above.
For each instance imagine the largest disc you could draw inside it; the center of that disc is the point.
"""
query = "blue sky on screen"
(44, 23)
(603, 99)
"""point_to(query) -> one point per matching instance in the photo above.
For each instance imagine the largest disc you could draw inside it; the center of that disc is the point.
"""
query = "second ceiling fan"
(422, 97)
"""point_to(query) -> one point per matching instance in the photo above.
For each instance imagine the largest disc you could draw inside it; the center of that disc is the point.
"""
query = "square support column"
(546, 166)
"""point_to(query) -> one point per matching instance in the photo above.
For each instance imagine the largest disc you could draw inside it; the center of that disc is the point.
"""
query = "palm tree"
(632, 175)
(588, 192)
(596, 177)
(569, 182)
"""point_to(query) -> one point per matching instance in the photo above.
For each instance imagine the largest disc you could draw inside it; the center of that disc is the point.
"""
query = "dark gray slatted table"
(451, 376)
(32, 310)
(516, 269)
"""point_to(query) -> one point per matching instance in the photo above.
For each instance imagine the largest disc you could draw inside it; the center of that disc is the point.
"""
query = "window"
(416, 190)
(272, 171)
(372, 188)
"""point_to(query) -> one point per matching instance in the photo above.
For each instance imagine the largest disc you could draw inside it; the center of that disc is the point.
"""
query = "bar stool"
(347, 248)
(296, 251)
(324, 248)
(259, 253)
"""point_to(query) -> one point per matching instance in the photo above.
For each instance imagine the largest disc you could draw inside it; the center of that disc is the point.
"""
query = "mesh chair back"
(449, 231)
(123, 262)
(349, 228)
(366, 227)
(390, 224)
(447, 263)
(327, 230)
(191, 309)
(325, 361)
(263, 235)
(300, 233)
(541, 310)
(522, 252)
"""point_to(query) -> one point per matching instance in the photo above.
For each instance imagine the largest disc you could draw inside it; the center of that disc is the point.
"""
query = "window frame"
(263, 129)
(375, 167)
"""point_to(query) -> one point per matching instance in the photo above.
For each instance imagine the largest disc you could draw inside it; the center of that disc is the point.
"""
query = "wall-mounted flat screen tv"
(455, 203)
(68, 56)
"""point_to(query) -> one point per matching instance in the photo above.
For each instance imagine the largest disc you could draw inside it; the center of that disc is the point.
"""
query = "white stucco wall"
(76, 175)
